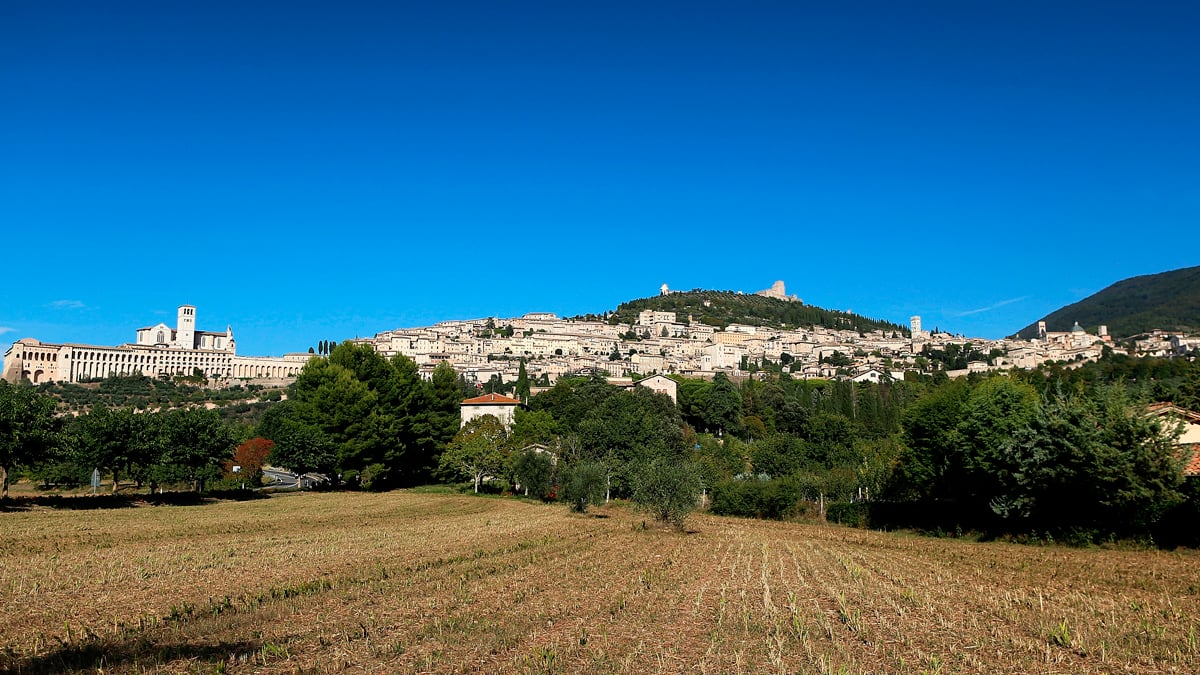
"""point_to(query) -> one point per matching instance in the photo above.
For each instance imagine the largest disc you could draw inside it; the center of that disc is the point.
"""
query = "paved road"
(286, 479)
(281, 479)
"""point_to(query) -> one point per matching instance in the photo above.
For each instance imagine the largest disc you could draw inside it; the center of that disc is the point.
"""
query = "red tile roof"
(1166, 408)
(1192, 467)
(491, 399)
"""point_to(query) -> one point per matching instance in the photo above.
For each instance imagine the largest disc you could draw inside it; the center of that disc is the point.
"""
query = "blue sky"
(306, 171)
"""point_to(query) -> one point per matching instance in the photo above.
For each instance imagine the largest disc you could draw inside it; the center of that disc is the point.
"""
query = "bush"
(856, 514)
(583, 485)
(535, 473)
(374, 477)
(666, 489)
(775, 499)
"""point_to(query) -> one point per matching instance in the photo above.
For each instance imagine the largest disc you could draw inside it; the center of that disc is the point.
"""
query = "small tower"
(914, 326)
(1042, 331)
(185, 327)
(663, 290)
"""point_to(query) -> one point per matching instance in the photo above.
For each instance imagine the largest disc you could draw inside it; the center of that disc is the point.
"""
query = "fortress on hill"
(157, 351)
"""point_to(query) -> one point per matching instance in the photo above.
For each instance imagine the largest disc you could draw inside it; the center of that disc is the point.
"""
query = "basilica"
(158, 351)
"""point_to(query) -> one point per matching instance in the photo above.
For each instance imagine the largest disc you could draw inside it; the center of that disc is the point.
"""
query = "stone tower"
(185, 327)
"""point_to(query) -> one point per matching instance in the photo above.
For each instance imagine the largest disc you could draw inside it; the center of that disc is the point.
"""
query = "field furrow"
(407, 582)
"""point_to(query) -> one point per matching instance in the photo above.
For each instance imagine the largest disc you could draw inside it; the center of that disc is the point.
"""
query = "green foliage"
(521, 389)
(1092, 463)
(28, 428)
(628, 427)
(776, 499)
(584, 485)
(723, 406)
(1080, 462)
(195, 442)
(376, 410)
(117, 442)
(721, 308)
(477, 451)
(533, 426)
(303, 448)
(534, 472)
(144, 393)
(666, 489)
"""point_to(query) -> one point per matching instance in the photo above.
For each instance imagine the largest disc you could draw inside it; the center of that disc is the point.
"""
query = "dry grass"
(406, 582)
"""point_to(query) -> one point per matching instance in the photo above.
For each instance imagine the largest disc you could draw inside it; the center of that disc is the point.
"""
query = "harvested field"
(408, 582)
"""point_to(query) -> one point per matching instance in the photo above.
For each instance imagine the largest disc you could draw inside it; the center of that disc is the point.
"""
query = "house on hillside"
(1189, 440)
(502, 407)
(662, 385)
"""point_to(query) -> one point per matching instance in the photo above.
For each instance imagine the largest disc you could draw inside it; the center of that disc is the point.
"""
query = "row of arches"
(265, 371)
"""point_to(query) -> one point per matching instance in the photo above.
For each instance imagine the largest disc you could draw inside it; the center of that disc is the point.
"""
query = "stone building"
(158, 351)
(502, 407)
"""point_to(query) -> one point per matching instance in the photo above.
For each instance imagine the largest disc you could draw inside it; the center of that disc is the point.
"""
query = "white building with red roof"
(502, 407)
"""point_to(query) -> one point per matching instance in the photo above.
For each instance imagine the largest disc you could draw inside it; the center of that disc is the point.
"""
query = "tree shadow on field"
(101, 655)
(125, 501)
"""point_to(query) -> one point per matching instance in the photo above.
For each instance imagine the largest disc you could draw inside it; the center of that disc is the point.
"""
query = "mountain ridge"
(1166, 301)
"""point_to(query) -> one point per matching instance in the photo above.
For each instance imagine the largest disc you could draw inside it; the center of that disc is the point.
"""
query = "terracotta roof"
(1167, 408)
(492, 399)
(1192, 467)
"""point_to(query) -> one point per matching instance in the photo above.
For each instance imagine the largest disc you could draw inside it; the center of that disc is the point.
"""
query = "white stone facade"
(158, 351)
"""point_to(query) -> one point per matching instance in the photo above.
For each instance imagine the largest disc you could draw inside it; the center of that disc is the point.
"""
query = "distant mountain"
(721, 308)
(1168, 301)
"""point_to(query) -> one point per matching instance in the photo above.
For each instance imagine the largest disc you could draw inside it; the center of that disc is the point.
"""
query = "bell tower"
(185, 327)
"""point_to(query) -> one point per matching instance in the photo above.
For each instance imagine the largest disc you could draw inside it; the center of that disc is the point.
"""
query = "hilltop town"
(663, 342)
(654, 342)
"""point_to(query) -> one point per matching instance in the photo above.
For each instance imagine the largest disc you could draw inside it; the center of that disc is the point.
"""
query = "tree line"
(187, 445)
(1048, 450)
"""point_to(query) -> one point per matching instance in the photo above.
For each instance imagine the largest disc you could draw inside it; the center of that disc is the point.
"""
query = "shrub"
(535, 473)
(374, 477)
(667, 489)
(753, 498)
(583, 485)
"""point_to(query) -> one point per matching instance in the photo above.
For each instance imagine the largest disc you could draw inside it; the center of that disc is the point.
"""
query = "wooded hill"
(1167, 301)
(721, 308)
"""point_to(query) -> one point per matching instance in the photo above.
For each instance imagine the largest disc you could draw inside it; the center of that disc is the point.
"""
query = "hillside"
(1168, 301)
(721, 308)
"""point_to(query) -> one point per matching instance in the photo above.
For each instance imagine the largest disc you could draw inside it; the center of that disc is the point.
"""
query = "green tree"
(533, 426)
(107, 439)
(27, 428)
(584, 485)
(930, 466)
(476, 452)
(1094, 463)
(522, 387)
(197, 443)
(723, 407)
(443, 401)
(302, 449)
(534, 472)
(667, 489)
(628, 427)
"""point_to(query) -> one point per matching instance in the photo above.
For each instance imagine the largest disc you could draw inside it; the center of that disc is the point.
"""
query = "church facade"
(157, 351)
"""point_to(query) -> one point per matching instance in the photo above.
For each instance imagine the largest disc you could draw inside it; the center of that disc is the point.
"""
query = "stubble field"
(408, 582)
